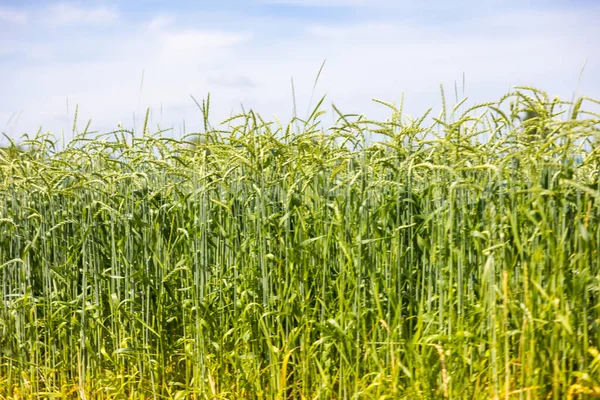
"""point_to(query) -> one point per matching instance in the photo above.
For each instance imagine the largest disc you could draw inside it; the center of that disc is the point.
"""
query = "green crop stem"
(454, 257)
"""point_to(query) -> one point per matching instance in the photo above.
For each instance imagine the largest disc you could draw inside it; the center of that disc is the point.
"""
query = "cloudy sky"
(114, 59)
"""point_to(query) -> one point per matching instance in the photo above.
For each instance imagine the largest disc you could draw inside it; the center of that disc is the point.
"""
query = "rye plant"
(452, 257)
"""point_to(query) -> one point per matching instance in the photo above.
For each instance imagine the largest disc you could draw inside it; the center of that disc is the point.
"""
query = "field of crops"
(450, 257)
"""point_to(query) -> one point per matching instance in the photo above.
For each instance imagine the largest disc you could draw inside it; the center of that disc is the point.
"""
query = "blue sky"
(94, 54)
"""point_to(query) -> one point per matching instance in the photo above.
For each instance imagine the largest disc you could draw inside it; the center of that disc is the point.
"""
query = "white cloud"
(228, 81)
(318, 3)
(362, 31)
(160, 22)
(8, 48)
(33, 51)
(8, 15)
(187, 50)
(186, 43)
(252, 65)
(175, 64)
(67, 13)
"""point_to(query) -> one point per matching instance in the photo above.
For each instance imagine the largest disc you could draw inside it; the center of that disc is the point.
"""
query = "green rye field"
(443, 257)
